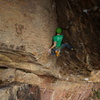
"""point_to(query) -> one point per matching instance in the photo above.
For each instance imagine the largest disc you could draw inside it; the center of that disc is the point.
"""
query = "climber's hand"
(49, 50)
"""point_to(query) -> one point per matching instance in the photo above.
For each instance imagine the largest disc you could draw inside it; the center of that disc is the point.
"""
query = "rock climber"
(57, 43)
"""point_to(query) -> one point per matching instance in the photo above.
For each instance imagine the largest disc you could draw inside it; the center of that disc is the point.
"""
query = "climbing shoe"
(73, 49)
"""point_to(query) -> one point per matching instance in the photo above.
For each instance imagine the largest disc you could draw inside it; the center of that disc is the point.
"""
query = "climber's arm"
(54, 44)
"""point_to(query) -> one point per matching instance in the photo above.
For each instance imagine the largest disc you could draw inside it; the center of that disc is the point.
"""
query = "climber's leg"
(67, 45)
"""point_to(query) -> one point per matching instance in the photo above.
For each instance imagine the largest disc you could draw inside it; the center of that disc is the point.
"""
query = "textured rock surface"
(81, 30)
(27, 26)
(7, 75)
(20, 92)
(26, 30)
(24, 41)
(21, 37)
(69, 91)
(95, 76)
(25, 61)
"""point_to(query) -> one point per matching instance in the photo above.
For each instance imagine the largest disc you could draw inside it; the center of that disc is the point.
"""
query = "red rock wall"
(18, 91)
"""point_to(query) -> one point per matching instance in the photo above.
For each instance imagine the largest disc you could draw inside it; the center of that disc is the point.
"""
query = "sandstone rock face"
(27, 62)
(27, 26)
(45, 88)
(7, 75)
(25, 40)
(27, 72)
(69, 91)
(81, 29)
(95, 76)
(26, 32)
(20, 92)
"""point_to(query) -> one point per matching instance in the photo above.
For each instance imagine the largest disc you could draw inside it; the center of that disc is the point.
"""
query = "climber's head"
(58, 30)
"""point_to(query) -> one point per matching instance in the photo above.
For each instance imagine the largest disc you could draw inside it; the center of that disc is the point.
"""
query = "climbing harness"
(56, 51)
